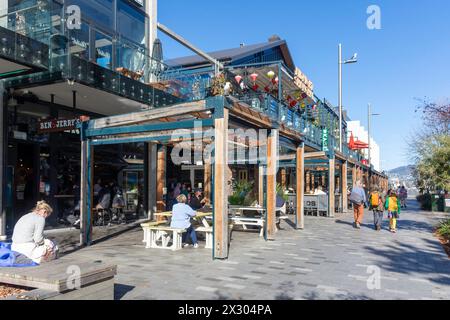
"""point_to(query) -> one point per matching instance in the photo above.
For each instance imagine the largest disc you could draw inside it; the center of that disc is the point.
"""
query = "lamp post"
(369, 125)
(340, 63)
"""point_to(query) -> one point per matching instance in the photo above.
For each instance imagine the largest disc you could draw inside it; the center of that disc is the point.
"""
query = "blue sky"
(408, 58)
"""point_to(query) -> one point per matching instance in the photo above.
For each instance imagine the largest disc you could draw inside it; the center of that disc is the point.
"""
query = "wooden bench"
(146, 225)
(208, 236)
(244, 222)
(63, 279)
(163, 237)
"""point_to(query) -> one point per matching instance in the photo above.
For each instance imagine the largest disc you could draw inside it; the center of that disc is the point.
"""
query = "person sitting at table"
(319, 191)
(197, 202)
(181, 218)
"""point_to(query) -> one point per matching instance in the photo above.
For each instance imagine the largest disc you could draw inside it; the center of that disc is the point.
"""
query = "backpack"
(393, 204)
(375, 201)
(356, 198)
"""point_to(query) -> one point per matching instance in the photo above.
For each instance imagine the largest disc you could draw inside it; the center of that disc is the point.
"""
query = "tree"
(430, 147)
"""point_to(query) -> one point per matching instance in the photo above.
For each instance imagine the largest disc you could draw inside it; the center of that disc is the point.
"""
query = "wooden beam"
(260, 172)
(354, 175)
(148, 115)
(344, 187)
(272, 152)
(300, 176)
(331, 185)
(221, 187)
(316, 155)
(161, 168)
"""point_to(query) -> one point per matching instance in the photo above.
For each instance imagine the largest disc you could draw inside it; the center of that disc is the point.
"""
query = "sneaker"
(196, 246)
(186, 245)
(378, 228)
(358, 226)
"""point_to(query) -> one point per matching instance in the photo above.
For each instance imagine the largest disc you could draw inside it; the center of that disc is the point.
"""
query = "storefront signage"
(325, 140)
(58, 125)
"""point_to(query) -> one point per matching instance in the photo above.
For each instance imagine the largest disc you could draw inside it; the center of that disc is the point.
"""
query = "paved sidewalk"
(327, 260)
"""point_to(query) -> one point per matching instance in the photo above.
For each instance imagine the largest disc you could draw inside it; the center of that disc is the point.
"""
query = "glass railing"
(24, 35)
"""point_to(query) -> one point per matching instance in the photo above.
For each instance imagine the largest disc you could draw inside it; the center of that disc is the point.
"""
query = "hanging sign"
(325, 140)
(58, 125)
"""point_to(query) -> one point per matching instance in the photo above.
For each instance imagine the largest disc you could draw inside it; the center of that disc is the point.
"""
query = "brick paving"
(327, 260)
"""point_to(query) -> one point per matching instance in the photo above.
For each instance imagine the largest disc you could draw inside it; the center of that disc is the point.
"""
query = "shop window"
(243, 175)
(131, 57)
(97, 12)
(79, 41)
(130, 22)
(103, 50)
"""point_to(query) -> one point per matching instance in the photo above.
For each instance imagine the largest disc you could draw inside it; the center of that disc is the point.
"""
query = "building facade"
(360, 133)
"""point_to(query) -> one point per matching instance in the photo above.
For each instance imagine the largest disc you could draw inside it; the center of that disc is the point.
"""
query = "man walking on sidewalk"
(358, 199)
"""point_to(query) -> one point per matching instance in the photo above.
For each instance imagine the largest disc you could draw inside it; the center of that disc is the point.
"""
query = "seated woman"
(181, 218)
(28, 235)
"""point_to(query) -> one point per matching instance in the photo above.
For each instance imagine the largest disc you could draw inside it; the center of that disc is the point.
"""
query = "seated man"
(28, 235)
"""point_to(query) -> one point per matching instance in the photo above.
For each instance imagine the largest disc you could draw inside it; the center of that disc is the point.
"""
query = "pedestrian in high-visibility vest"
(376, 203)
(393, 206)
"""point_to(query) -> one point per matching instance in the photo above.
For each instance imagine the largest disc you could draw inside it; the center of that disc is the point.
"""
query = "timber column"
(331, 187)
(150, 176)
(86, 188)
(344, 187)
(161, 179)
(3, 149)
(272, 168)
(300, 192)
(221, 184)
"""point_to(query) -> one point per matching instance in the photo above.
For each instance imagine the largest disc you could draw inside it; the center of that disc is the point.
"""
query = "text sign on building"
(58, 125)
(325, 140)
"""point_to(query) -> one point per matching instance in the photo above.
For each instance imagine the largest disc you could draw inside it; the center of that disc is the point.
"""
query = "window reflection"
(103, 50)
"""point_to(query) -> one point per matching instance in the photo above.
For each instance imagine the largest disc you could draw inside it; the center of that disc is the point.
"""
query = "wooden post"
(207, 180)
(221, 187)
(354, 175)
(152, 163)
(86, 192)
(308, 181)
(344, 187)
(161, 179)
(300, 175)
(331, 185)
(272, 157)
(283, 178)
(261, 185)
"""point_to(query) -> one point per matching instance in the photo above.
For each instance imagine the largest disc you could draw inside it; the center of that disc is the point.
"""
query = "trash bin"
(441, 203)
(434, 202)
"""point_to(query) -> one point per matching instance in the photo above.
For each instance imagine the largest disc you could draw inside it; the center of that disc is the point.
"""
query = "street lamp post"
(340, 63)
(369, 128)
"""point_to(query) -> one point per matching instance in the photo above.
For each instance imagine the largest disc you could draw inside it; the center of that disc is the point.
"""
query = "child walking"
(376, 201)
(393, 206)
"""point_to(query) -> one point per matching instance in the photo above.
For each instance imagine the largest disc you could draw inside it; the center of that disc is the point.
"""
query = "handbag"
(356, 198)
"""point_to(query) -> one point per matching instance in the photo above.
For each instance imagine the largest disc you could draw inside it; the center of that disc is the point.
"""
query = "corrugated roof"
(225, 55)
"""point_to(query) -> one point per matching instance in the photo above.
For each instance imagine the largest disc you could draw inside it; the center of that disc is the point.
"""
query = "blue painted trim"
(160, 139)
(191, 124)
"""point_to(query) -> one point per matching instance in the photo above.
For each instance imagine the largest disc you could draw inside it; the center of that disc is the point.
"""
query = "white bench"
(208, 236)
(244, 222)
(163, 237)
(145, 227)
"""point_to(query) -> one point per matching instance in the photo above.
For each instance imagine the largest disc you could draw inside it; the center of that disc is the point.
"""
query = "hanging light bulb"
(238, 79)
(253, 77)
(271, 74)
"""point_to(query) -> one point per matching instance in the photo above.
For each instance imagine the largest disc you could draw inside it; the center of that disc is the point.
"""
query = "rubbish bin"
(434, 202)
(441, 203)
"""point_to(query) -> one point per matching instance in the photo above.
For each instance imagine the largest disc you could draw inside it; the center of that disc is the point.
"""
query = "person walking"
(403, 196)
(376, 202)
(393, 206)
(358, 199)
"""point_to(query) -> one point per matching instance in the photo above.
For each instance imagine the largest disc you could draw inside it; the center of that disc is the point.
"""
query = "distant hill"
(401, 171)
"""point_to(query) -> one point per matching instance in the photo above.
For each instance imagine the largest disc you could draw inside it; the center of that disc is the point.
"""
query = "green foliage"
(444, 229)
(242, 194)
(425, 201)
(433, 165)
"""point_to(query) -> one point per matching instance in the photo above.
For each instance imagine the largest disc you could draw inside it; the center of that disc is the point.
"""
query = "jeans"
(191, 233)
(377, 218)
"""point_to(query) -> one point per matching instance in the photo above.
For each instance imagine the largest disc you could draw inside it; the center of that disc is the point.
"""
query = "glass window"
(97, 12)
(79, 41)
(130, 22)
(131, 56)
(103, 50)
